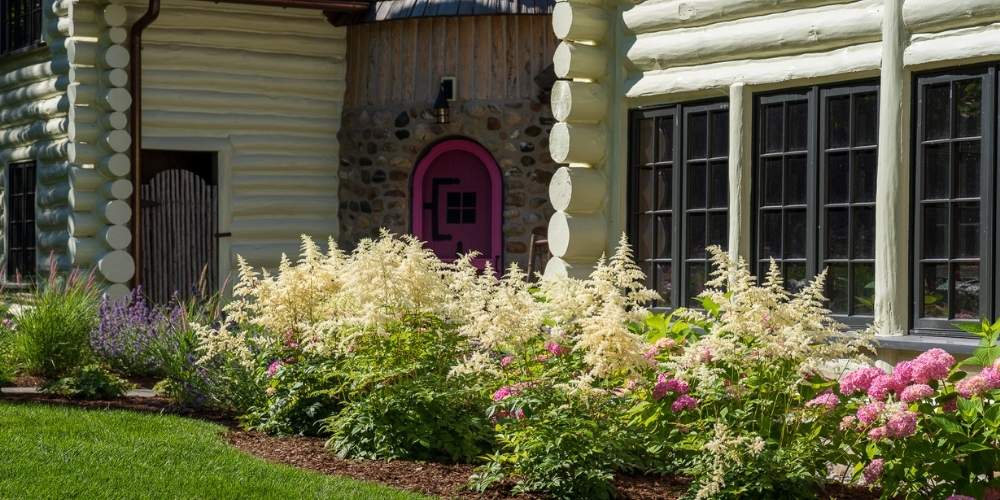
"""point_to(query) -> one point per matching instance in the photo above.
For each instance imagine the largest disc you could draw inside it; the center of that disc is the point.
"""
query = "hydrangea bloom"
(555, 348)
(827, 399)
(877, 434)
(503, 393)
(506, 361)
(859, 380)
(992, 376)
(884, 385)
(960, 497)
(273, 368)
(973, 386)
(903, 372)
(682, 403)
(873, 471)
(848, 422)
(869, 413)
(901, 424)
(932, 365)
(916, 393)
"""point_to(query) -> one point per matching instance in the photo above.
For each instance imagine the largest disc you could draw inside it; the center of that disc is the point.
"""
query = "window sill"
(27, 49)
(920, 343)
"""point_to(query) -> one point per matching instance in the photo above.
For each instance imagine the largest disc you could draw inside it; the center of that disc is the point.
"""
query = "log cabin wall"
(263, 87)
(502, 64)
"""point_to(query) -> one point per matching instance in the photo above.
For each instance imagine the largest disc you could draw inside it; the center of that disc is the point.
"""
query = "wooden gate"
(179, 210)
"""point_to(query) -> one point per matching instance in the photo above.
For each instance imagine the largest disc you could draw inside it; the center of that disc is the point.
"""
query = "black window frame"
(20, 26)
(679, 257)
(20, 217)
(816, 181)
(989, 212)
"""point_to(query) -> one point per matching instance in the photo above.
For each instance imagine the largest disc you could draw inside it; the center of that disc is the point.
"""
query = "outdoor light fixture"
(441, 109)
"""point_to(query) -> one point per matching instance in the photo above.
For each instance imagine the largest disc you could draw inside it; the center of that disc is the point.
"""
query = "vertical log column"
(893, 188)
(577, 232)
(740, 174)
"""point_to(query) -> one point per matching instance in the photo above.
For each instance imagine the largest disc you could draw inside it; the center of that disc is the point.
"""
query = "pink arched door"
(457, 202)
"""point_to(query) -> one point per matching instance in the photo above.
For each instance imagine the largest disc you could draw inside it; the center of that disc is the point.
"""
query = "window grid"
(20, 222)
(652, 182)
(953, 212)
(848, 163)
(20, 24)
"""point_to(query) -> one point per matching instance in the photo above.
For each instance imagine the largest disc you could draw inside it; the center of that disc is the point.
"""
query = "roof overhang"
(329, 6)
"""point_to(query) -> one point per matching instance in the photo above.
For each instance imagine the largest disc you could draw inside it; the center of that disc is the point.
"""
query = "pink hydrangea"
(273, 368)
(869, 413)
(884, 385)
(903, 372)
(659, 390)
(684, 402)
(859, 380)
(932, 365)
(916, 393)
(555, 348)
(970, 387)
(873, 471)
(992, 376)
(828, 400)
(877, 433)
(848, 422)
(901, 424)
(506, 361)
(678, 386)
(960, 497)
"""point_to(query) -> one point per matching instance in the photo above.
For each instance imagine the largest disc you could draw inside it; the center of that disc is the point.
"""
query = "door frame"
(418, 220)
(224, 152)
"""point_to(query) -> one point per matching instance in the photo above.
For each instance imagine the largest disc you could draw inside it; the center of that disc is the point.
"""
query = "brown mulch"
(435, 479)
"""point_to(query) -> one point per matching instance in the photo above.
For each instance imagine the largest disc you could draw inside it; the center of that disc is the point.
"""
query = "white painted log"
(88, 154)
(117, 266)
(52, 173)
(224, 100)
(116, 56)
(114, 15)
(84, 201)
(579, 22)
(56, 150)
(239, 122)
(120, 189)
(214, 79)
(577, 190)
(980, 42)
(841, 62)
(83, 224)
(270, 21)
(116, 120)
(292, 182)
(892, 207)
(53, 217)
(116, 212)
(264, 254)
(557, 268)
(660, 16)
(740, 174)
(95, 77)
(53, 240)
(34, 91)
(52, 196)
(805, 30)
(573, 60)
(117, 35)
(35, 110)
(117, 291)
(938, 15)
(579, 101)
(116, 99)
(32, 73)
(245, 62)
(577, 143)
(117, 237)
(579, 237)
(83, 12)
(86, 179)
(247, 228)
(118, 165)
(117, 140)
(238, 40)
(85, 251)
(54, 128)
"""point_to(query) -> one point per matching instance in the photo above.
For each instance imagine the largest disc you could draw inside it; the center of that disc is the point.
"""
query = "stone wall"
(381, 146)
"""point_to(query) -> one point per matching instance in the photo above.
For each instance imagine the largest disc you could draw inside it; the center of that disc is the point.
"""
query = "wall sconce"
(441, 108)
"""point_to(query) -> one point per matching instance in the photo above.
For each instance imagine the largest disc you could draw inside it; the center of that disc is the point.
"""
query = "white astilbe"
(726, 452)
(508, 316)
(765, 322)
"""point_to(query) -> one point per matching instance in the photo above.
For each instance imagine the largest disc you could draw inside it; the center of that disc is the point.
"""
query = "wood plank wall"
(493, 57)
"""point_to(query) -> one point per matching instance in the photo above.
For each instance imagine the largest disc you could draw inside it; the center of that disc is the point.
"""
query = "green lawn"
(61, 452)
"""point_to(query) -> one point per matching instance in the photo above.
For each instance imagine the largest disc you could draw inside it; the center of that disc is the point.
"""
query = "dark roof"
(386, 10)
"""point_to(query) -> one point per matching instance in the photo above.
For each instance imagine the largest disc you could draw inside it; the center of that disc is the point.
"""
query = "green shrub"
(299, 396)
(51, 334)
(400, 401)
(89, 382)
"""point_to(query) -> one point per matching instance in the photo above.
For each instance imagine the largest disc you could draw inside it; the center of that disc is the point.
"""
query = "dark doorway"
(179, 224)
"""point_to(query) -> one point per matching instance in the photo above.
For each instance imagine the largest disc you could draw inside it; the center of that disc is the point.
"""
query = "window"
(20, 24)
(814, 191)
(20, 221)
(954, 219)
(678, 195)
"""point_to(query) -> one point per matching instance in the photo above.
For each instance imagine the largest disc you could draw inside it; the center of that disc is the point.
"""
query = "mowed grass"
(65, 452)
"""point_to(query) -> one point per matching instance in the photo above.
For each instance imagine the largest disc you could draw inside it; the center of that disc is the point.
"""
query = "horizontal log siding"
(402, 62)
(268, 81)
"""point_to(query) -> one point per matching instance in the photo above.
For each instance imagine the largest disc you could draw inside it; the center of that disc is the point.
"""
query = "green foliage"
(89, 382)
(399, 401)
(299, 396)
(63, 452)
(51, 334)
(989, 342)
(558, 443)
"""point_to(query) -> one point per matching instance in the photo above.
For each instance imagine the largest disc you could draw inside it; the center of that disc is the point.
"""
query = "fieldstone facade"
(380, 147)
